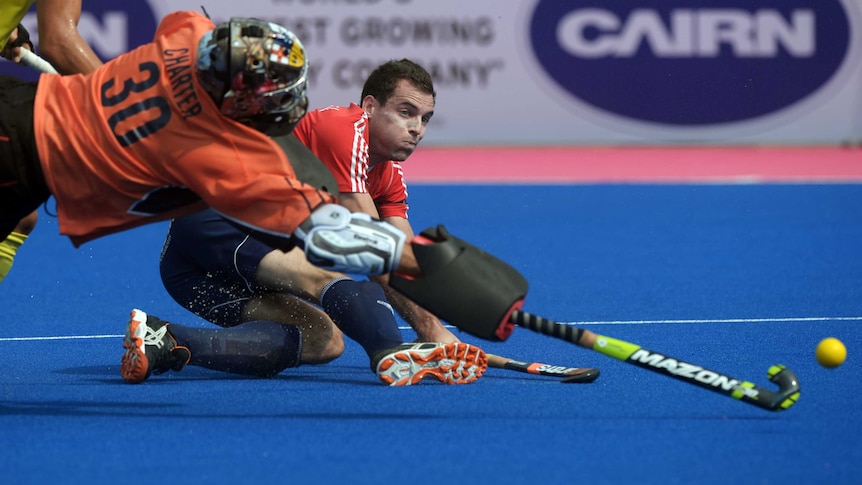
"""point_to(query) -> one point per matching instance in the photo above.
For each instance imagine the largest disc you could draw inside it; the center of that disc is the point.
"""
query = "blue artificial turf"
(735, 278)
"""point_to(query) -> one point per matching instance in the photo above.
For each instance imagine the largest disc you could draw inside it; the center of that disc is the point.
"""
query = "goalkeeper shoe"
(150, 349)
(407, 364)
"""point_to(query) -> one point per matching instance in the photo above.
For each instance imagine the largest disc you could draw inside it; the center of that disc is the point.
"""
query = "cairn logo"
(691, 63)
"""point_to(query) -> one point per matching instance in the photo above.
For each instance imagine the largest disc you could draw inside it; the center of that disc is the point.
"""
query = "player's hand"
(16, 42)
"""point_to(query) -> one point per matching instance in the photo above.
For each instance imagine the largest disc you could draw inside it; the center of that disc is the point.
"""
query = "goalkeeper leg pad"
(463, 285)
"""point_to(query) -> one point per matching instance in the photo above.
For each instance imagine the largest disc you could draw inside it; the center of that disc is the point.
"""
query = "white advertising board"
(577, 72)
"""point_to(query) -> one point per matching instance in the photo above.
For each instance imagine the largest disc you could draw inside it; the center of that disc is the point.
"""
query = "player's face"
(395, 128)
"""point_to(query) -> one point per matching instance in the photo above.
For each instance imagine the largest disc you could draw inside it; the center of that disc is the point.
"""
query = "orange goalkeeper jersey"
(139, 140)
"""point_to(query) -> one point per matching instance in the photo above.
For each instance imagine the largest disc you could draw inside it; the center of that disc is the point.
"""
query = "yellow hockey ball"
(830, 352)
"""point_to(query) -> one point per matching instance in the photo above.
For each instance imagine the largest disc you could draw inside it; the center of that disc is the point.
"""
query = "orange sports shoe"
(407, 364)
(150, 349)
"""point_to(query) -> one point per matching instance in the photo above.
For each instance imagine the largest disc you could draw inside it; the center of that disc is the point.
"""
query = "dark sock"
(361, 311)
(257, 348)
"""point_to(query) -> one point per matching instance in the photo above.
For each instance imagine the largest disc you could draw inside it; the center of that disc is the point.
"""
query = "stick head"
(787, 395)
(788, 389)
(582, 376)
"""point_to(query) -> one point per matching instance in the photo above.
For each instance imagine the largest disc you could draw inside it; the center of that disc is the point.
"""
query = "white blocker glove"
(337, 239)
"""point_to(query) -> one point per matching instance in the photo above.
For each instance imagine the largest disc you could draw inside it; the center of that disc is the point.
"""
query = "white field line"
(63, 337)
(713, 320)
(605, 322)
(726, 320)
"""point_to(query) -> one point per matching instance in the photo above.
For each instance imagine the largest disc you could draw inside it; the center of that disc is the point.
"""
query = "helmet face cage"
(257, 71)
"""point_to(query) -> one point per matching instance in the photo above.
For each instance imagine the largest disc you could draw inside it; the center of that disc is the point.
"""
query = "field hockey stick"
(788, 384)
(570, 375)
(31, 59)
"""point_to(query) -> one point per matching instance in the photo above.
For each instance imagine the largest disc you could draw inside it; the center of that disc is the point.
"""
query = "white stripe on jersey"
(403, 182)
(359, 157)
(400, 171)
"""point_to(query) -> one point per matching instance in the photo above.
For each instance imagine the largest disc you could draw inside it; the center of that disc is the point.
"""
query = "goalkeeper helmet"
(256, 72)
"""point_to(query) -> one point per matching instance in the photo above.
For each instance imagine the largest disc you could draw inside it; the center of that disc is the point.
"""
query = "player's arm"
(428, 327)
(358, 202)
(59, 40)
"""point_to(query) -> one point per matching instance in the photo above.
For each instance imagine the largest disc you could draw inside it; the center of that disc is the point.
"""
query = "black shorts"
(22, 183)
(208, 266)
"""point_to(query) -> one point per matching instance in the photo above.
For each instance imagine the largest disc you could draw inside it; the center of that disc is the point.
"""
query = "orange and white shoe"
(407, 364)
(150, 349)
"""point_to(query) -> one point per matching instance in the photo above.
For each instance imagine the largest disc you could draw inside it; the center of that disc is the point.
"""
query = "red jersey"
(140, 140)
(338, 135)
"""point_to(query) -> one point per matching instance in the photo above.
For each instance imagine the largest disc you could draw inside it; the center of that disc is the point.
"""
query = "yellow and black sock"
(8, 248)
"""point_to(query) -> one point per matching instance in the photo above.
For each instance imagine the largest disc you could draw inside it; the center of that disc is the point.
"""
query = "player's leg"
(9, 246)
(361, 311)
(321, 340)
(212, 268)
(22, 183)
(259, 347)
(215, 270)
(265, 344)
(358, 308)
(8, 250)
(208, 267)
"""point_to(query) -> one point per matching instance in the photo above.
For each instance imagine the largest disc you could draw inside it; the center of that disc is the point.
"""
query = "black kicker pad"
(463, 285)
